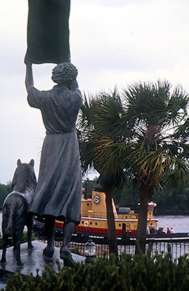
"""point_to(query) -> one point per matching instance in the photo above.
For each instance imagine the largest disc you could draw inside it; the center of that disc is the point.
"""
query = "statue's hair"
(64, 72)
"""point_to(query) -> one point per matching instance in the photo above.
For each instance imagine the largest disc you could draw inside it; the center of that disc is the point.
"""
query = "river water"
(178, 223)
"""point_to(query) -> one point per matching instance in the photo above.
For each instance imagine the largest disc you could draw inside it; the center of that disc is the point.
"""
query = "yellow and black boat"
(94, 218)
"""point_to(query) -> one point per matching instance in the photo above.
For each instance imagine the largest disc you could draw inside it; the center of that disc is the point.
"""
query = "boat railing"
(95, 215)
(101, 214)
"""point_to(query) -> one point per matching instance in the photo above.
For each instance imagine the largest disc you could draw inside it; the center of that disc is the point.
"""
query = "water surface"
(178, 222)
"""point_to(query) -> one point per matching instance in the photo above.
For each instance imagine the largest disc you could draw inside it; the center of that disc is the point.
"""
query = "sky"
(113, 43)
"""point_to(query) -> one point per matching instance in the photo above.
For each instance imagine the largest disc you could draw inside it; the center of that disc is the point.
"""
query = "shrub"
(138, 273)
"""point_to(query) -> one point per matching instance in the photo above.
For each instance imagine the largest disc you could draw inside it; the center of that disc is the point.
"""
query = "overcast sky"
(113, 42)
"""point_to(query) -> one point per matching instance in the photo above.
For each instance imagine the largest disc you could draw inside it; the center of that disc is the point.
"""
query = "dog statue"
(15, 213)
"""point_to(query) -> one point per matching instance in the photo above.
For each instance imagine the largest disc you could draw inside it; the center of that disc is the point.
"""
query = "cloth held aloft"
(48, 31)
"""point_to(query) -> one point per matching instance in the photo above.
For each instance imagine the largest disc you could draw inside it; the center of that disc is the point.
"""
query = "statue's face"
(61, 81)
(53, 79)
(56, 79)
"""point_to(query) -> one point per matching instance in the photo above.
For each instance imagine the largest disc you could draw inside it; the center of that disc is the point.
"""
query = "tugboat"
(94, 218)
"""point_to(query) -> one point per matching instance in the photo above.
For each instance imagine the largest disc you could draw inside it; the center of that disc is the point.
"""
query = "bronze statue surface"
(48, 31)
(15, 212)
(58, 192)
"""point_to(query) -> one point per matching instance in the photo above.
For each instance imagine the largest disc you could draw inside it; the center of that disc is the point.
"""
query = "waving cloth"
(48, 31)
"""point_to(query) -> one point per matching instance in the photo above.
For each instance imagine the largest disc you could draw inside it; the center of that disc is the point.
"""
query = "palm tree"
(154, 115)
(92, 129)
(139, 134)
(183, 130)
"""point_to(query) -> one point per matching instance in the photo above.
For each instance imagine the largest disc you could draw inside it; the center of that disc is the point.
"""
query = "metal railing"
(175, 247)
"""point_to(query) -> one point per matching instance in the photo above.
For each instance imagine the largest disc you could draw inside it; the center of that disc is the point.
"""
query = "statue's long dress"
(58, 191)
(48, 31)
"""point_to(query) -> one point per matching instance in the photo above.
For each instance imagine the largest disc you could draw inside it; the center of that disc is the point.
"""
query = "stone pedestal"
(33, 261)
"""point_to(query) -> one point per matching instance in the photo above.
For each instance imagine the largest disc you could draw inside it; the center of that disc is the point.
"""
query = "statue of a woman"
(58, 193)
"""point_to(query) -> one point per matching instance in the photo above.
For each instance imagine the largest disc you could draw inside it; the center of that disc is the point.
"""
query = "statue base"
(33, 261)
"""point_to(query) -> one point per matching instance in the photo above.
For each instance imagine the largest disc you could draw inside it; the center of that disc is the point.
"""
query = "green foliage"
(172, 201)
(141, 134)
(139, 131)
(138, 273)
(4, 190)
(88, 187)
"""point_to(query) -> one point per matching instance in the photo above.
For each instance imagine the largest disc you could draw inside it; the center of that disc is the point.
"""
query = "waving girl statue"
(58, 192)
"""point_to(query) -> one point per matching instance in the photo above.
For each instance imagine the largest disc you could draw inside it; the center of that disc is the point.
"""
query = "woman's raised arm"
(29, 77)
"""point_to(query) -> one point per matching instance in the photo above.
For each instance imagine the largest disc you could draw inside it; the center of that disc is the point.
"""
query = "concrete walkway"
(33, 261)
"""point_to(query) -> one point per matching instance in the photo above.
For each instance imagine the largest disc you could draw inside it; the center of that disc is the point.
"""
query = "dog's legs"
(29, 227)
(5, 243)
(17, 248)
(14, 241)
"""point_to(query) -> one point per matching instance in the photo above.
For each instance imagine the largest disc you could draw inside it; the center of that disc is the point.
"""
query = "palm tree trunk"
(111, 225)
(142, 223)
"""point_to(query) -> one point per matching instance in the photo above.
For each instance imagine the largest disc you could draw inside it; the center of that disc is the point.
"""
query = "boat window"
(96, 223)
(119, 224)
(91, 223)
(88, 204)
